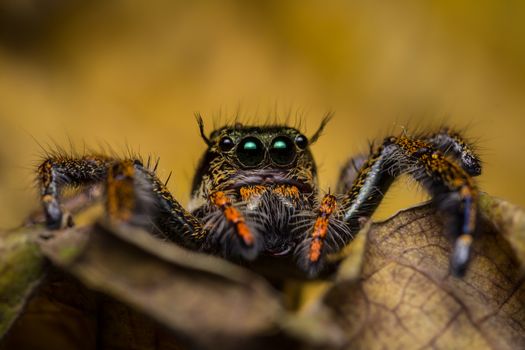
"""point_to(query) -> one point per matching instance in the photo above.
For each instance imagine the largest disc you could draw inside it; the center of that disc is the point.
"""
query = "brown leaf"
(509, 221)
(392, 290)
(202, 298)
(21, 269)
(406, 297)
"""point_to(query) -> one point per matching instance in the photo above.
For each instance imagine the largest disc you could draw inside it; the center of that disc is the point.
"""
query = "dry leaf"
(203, 298)
(393, 290)
(406, 297)
(21, 268)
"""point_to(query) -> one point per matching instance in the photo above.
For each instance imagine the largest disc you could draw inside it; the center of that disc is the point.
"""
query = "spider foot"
(461, 255)
(56, 217)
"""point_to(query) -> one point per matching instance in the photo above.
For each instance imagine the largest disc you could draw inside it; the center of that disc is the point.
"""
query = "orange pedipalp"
(233, 215)
(320, 231)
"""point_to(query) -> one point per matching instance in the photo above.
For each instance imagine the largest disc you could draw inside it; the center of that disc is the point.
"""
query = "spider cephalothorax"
(267, 176)
(246, 155)
(255, 192)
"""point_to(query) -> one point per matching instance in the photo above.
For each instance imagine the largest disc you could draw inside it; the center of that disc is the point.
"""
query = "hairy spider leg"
(56, 172)
(452, 189)
(135, 194)
(131, 190)
(370, 182)
(452, 143)
(120, 190)
(349, 172)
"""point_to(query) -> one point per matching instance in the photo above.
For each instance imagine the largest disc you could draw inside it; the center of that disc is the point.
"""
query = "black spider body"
(270, 187)
(256, 193)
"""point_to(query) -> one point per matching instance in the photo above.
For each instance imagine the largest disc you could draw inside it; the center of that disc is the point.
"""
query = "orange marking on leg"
(233, 215)
(121, 191)
(327, 207)
(315, 250)
(320, 227)
(45, 173)
(219, 199)
(47, 198)
(466, 239)
(244, 232)
(320, 230)
(458, 182)
(468, 193)
(465, 192)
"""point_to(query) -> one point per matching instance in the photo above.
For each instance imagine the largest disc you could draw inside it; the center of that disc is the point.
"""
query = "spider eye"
(250, 151)
(282, 151)
(226, 143)
(301, 141)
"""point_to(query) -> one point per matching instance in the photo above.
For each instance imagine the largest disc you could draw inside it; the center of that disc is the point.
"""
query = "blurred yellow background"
(132, 73)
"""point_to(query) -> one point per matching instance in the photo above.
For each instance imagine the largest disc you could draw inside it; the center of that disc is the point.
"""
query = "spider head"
(240, 155)
(250, 147)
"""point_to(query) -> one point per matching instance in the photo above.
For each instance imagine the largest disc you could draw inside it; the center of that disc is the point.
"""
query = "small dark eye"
(282, 151)
(250, 151)
(226, 143)
(301, 141)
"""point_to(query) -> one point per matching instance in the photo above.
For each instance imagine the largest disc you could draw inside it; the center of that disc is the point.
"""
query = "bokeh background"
(131, 74)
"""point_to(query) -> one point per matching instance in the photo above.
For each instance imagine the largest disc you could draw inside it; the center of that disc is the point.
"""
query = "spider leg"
(134, 193)
(451, 187)
(452, 143)
(56, 172)
(349, 172)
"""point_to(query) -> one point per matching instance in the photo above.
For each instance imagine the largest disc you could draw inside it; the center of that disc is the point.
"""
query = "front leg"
(57, 172)
(451, 187)
(134, 194)
(452, 143)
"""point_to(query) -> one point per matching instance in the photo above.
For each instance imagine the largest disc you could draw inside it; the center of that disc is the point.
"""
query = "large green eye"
(250, 151)
(282, 151)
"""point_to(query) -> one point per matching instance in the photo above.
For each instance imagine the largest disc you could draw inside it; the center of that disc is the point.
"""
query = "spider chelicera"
(255, 192)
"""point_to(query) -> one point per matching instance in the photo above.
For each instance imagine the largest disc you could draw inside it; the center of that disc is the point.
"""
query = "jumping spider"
(255, 193)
